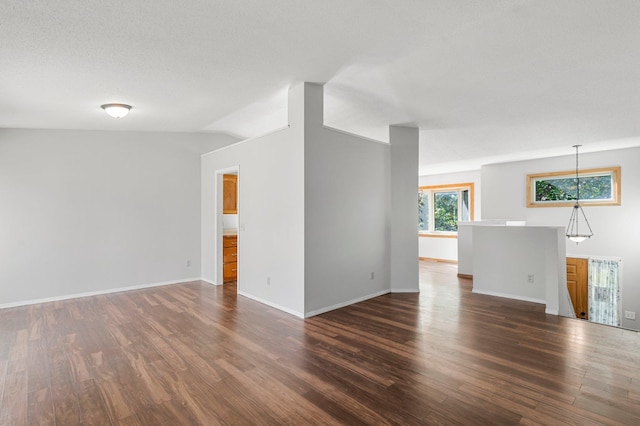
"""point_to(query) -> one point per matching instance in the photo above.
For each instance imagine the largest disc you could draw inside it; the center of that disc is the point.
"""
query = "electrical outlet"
(373, 276)
(188, 263)
(530, 278)
(268, 280)
(629, 315)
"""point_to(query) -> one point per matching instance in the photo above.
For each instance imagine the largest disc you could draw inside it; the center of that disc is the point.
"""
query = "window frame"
(616, 188)
(459, 187)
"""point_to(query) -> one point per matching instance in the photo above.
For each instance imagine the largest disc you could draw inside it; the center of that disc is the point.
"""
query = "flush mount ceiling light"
(116, 110)
(577, 214)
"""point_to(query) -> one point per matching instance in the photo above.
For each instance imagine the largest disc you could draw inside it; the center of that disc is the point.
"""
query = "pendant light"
(578, 219)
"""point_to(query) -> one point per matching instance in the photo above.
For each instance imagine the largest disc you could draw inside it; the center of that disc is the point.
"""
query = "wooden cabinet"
(230, 194)
(230, 258)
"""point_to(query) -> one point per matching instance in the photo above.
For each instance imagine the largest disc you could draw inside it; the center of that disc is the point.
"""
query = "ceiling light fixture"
(573, 229)
(116, 110)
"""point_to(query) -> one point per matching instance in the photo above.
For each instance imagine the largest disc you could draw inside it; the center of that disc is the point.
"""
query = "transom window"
(559, 189)
(440, 208)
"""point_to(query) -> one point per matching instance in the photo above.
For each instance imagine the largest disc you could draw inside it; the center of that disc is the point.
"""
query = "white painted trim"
(245, 140)
(510, 296)
(342, 305)
(95, 293)
(405, 290)
(227, 170)
(219, 204)
(551, 312)
(614, 258)
(273, 305)
(209, 282)
(578, 256)
(592, 256)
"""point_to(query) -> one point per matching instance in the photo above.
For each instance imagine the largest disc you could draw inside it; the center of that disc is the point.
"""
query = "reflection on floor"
(194, 353)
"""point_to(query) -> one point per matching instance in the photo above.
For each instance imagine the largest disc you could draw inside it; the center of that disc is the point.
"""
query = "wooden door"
(577, 277)
(230, 194)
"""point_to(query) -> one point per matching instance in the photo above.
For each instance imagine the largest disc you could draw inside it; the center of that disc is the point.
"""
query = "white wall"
(505, 256)
(615, 227)
(270, 212)
(438, 248)
(346, 214)
(93, 211)
(465, 248)
(465, 241)
(404, 211)
(314, 213)
(447, 248)
(230, 221)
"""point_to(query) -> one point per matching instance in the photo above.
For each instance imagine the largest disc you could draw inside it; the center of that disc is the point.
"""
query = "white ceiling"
(485, 80)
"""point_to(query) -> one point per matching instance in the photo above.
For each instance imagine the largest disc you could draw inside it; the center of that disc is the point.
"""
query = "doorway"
(577, 285)
(594, 286)
(227, 240)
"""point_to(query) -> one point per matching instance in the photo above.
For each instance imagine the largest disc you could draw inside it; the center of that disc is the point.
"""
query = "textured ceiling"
(485, 81)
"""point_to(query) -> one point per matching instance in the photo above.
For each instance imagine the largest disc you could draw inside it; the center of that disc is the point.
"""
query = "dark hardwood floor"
(197, 354)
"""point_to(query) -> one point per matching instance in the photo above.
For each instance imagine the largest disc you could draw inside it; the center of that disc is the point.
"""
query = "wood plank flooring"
(197, 354)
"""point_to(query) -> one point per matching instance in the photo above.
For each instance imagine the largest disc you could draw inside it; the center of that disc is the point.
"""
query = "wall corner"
(403, 208)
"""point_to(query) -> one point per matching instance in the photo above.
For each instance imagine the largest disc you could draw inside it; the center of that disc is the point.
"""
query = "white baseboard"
(94, 293)
(273, 305)
(343, 304)
(209, 282)
(405, 290)
(510, 296)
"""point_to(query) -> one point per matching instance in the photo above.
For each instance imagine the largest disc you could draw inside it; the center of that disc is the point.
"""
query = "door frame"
(219, 222)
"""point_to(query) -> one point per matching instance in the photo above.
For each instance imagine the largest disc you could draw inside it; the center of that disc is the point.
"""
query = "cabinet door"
(229, 241)
(230, 194)
(230, 254)
(230, 271)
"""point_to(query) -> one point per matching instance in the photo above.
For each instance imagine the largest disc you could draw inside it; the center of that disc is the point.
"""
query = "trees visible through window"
(445, 213)
(423, 210)
(597, 187)
(591, 188)
(441, 207)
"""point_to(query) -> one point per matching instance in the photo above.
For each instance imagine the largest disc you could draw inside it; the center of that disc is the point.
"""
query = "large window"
(597, 187)
(441, 207)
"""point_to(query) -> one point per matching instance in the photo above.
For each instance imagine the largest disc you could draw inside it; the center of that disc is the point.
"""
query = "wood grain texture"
(197, 354)
(577, 285)
(230, 194)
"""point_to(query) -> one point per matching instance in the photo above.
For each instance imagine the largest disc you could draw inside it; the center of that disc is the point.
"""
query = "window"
(441, 207)
(598, 187)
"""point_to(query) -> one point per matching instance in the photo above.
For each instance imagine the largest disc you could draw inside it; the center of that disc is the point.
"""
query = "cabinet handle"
(234, 254)
(234, 244)
(233, 270)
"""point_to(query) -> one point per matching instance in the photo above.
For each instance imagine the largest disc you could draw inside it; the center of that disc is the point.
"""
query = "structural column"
(404, 209)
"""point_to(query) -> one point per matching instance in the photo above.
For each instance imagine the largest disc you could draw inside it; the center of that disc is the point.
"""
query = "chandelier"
(578, 229)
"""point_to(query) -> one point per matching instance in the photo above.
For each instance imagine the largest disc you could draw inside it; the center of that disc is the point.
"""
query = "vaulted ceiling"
(484, 80)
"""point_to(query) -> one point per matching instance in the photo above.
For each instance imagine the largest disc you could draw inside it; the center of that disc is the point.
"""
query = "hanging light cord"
(577, 176)
(573, 229)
